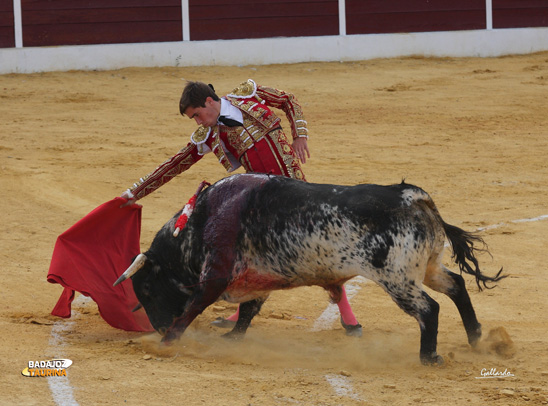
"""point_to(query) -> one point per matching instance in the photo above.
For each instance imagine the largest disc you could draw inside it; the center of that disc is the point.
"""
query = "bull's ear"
(137, 264)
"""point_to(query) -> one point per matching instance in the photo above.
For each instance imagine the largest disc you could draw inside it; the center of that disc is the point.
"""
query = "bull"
(251, 234)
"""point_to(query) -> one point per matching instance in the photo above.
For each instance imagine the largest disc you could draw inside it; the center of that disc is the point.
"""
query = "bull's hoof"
(352, 331)
(234, 335)
(169, 336)
(432, 359)
(474, 336)
(167, 341)
(221, 322)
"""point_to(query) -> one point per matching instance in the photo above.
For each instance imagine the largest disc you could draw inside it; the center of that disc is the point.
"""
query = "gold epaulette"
(199, 137)
(244, 90)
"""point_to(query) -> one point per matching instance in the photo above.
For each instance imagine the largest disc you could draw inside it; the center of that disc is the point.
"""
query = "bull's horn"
(134, 267)
(138, 307)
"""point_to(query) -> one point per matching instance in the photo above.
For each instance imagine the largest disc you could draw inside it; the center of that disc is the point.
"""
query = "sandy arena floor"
(472, 132)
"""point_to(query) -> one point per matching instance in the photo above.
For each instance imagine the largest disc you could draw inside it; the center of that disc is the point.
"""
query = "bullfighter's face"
(207, 115)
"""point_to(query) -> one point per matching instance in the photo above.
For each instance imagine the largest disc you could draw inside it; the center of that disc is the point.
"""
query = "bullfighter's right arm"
(177, 164)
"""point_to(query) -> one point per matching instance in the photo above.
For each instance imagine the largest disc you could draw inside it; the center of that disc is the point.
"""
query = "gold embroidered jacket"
(231, 144)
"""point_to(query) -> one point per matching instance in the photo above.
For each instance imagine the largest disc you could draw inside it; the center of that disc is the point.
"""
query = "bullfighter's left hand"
(300, 146)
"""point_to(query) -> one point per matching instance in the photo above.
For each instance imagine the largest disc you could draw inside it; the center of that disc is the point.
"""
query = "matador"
(253, 137)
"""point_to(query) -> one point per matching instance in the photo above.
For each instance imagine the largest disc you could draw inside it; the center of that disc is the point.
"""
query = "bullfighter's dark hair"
(195, 95)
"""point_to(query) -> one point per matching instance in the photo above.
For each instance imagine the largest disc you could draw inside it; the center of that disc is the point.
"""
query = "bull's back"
(316, 233)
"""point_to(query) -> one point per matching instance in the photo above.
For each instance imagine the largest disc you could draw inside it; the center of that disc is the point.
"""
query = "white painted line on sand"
(342, 386)
(59, 386)
(527, 220)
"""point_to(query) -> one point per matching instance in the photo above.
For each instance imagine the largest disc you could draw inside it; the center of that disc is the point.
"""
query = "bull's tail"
(464, 249)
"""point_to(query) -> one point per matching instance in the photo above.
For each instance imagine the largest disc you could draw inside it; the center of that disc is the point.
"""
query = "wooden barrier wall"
(520, 13)
(82, 22)
(239, 19)
(392, 16)
(7, 25)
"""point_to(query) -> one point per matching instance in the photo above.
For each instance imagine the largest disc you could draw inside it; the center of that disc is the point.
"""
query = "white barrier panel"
(476, 43)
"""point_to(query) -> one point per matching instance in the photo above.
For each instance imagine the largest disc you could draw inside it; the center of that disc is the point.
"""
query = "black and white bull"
(252, 234)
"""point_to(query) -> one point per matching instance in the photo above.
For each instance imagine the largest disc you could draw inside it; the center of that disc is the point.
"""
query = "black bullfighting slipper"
(352, 331)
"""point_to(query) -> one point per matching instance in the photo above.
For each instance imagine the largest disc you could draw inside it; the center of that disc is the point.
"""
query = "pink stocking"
(346, 311)
(234, 317)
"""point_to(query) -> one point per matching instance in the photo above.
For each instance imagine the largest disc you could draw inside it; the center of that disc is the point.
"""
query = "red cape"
(90, 256)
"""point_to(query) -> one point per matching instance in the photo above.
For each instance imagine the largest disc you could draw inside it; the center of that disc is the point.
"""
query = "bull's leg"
(248, 310)
(416, 302)
(428, 321)
(348, 320)
(202, 297)
(442, 280)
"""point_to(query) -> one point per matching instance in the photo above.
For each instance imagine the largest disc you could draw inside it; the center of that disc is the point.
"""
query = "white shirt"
(229, 111)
